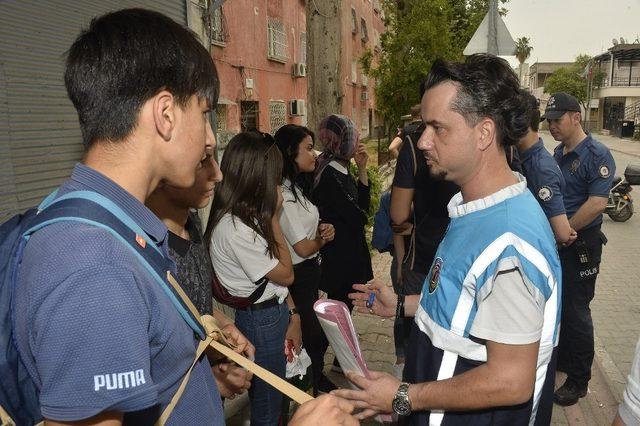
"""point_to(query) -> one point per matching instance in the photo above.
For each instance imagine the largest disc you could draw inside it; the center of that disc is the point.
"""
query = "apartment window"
(218, 27)
(364, 36)
(277, 115)
(354, 22)
(277, 41)
(365, 80)
(303, 48)
(354, 71)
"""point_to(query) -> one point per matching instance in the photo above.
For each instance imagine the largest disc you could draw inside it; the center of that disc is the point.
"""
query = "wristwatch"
(293, 311)
(401, 403)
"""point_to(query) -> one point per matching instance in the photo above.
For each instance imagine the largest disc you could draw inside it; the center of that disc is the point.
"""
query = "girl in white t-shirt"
(305, 237)
(250, 257)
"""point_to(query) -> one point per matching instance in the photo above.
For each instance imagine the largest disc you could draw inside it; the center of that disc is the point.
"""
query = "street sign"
(492, 36)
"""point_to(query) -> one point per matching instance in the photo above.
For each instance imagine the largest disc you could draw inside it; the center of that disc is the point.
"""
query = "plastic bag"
(298, 364)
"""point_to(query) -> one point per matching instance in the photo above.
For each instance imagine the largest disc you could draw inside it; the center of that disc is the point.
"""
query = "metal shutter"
(39, 134)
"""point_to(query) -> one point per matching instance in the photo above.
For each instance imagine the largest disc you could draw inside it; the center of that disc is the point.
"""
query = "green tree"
(572, 79)
(522, 52)
(417, 33)
(466, 16)
(569, 81)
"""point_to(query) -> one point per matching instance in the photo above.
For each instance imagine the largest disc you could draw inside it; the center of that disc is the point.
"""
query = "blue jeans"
(266, 329)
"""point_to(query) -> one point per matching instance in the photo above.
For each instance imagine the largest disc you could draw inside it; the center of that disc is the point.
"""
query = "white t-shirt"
(240, 259)
(298, 220)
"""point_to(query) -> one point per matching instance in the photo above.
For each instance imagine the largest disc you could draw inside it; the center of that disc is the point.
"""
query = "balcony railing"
(621, 82)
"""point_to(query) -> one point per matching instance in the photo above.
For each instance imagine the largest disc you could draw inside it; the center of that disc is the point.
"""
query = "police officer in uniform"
(544, 178)
(588, 169)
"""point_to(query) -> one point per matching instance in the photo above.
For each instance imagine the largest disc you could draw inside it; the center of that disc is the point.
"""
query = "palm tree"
(522, 52)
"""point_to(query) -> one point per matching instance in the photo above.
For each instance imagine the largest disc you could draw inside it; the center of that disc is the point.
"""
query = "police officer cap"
(558, 104)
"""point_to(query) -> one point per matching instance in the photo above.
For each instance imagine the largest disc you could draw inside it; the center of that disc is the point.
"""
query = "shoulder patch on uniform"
(545, 193)
(603, 170)
(434, 277)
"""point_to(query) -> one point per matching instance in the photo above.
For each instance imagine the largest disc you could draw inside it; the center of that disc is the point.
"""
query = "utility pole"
(324, 36)
(492, 37)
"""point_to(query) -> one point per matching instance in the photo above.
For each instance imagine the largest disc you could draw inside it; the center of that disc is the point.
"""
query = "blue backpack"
(382, 236)
(18, 392)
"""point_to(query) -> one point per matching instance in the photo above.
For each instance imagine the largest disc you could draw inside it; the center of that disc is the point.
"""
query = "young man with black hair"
(99, 337)
(486, 322)
(544, 179)
(87, 310)
(588, 170)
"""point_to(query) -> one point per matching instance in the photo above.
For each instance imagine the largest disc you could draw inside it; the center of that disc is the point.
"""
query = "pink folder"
(337, 325)
(335, 320)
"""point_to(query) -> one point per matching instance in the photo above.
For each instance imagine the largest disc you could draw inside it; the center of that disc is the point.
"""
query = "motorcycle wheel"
(622, 215)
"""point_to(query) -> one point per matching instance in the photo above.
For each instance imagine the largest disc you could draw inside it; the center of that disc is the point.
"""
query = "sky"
(559, 30)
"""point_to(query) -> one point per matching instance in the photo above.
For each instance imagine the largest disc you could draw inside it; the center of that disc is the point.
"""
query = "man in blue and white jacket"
(482, 350)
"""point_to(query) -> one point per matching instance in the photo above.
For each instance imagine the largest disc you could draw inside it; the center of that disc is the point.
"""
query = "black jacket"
(343, 203)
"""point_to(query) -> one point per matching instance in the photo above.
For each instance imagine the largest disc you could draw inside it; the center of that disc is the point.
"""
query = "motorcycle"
(620, 204)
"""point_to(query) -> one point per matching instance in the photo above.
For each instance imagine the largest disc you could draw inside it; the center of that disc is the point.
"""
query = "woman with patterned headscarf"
(344, 203)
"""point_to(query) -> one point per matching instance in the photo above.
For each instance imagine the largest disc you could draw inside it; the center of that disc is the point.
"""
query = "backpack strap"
(413, 155)
(96, 210)
(215, 339)
(5, 418)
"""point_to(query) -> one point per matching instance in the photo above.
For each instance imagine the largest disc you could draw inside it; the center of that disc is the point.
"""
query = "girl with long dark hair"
(250, 257)
(305, 235)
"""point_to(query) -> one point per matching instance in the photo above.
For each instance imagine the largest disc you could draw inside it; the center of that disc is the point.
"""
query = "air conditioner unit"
(299, 69)
(297, 107)
(364, 96)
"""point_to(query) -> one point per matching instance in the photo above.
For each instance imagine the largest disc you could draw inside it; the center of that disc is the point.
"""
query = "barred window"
(218, 27)
(277, 41)
(303, 48)
(277, 115)
(354, 22)
(364, 35)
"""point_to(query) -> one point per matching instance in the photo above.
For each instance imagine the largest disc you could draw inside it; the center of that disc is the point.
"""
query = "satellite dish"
(615, 42)
(622, 40)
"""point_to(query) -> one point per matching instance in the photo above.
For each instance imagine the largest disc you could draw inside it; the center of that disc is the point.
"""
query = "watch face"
(401, 406)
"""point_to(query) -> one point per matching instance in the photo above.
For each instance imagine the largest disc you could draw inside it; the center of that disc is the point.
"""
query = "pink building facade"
(259, 47)
(362, 25)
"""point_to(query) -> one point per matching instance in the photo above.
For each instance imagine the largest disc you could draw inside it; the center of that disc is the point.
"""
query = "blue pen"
(372, 298)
